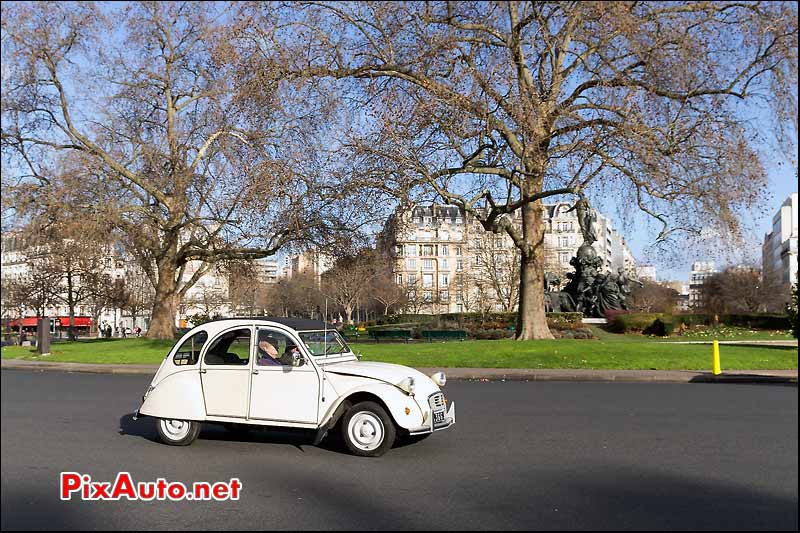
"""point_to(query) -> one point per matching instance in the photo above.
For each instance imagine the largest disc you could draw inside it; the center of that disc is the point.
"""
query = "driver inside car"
(268, 352)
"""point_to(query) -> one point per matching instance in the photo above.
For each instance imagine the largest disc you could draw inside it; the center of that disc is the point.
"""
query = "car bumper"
(428, 425)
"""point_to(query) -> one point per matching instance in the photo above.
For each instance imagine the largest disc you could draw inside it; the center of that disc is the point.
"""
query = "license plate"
(438, 417)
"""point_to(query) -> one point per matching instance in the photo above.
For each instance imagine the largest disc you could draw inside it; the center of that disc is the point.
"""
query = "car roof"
(298, 324)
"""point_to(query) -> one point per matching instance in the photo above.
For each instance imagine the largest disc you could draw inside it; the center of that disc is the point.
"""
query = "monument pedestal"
(594, 321)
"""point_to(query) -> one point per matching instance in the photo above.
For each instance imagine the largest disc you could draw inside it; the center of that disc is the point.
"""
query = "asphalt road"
(617, 456)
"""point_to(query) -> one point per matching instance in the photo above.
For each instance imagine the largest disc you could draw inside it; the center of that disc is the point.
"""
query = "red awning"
(28, 322)
(80, 321)
(32, 321)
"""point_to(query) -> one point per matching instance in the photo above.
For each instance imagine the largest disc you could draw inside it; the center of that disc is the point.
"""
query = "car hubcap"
(366, 431)
(175, 429)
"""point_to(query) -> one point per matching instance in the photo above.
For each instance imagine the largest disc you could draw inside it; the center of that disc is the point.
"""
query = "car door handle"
(255, 371)
(203, 371)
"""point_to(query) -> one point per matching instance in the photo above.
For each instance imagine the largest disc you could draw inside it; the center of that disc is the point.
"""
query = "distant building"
(311, 262)
(682, 288)
(646, 272)
(701, 270)
(779, 252)
(448, 263)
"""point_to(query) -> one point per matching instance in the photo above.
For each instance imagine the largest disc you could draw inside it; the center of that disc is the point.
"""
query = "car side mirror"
(298, 360)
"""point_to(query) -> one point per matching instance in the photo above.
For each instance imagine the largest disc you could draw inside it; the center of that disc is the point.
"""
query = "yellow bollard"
(717, 369)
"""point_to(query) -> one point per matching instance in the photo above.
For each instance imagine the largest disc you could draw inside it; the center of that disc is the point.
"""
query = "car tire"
(177, 432)
(367, 430)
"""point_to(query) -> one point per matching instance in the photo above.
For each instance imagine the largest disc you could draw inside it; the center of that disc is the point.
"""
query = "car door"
(225, 373)
(279, 391)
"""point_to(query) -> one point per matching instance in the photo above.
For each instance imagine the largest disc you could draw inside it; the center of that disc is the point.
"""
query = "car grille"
(436, 401)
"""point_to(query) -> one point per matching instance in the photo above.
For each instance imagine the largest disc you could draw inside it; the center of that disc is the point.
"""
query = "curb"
(476, 374)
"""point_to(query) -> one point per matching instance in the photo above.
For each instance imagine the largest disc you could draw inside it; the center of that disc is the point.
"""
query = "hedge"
(662, 324)
(478, 325)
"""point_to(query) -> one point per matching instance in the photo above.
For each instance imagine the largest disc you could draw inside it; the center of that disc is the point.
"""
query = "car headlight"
(439, 378)
(407, 385)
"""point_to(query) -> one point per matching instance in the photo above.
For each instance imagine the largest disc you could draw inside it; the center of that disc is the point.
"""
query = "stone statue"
(586, 218)
(558, 302)
(589, 291)
(581, 282)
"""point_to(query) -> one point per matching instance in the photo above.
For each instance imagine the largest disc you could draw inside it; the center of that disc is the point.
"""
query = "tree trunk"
(71, 329)
(531, 319)
(348, 313)
(162, 323)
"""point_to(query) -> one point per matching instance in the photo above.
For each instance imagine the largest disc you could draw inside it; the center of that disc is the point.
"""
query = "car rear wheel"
(177, 432)
(368, 430)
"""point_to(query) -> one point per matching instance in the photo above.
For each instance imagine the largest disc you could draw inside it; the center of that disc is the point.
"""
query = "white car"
(290, 373)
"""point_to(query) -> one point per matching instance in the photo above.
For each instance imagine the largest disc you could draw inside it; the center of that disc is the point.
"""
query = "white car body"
(313, 395)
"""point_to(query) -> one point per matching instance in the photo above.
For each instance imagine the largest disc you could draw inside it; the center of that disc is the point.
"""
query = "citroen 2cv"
(290, 373)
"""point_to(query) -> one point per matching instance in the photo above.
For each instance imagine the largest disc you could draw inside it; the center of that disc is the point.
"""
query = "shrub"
(659, 327)
(636, 322)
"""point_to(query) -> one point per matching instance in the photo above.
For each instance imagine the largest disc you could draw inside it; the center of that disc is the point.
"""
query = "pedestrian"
(123, 332)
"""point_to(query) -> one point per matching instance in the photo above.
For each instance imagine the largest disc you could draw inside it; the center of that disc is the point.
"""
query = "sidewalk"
(480, 374)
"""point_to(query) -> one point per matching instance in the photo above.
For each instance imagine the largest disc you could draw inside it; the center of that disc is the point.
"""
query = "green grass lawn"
(609, 352)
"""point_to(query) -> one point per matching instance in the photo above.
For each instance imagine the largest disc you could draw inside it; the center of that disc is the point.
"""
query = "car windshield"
(321, 343)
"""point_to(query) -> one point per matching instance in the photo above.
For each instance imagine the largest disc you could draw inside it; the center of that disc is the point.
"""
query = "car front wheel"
(177, 432)
(368, 430)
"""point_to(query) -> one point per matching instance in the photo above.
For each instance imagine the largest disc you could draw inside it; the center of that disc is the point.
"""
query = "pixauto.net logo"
(81, 486)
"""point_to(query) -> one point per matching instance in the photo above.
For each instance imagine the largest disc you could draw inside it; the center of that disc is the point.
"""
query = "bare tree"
(736, 290)
(15, 300)
(76, 257)
(171, 152)
(498, 105)
(498, 267)
(384, 288)
(349, 280)
(652, 297)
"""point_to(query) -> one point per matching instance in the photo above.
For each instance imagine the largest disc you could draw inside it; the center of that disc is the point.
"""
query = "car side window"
(189, 352)
(274, 348)
(230, 348)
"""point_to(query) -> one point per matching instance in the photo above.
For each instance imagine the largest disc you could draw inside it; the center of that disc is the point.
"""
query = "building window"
(477, 260)
(427, 296)
(444, 265)
(458, 251)
(444, 295)
(445, 279)
(411, 250)
(427, 280)
(445, 250)
(399, 279)
(444, 236)
(427, 264)
(563, 257)
(411, 264)
(459, 265)
(399, 250)
(412, 279)
(563, 242)
(427, 249)
(459, 308)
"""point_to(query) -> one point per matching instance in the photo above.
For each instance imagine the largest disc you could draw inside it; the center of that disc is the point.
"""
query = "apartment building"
(447, 262)
(779, 251)
(701, 270)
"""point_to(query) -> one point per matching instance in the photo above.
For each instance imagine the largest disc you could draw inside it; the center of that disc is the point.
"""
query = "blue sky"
(783, 182)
